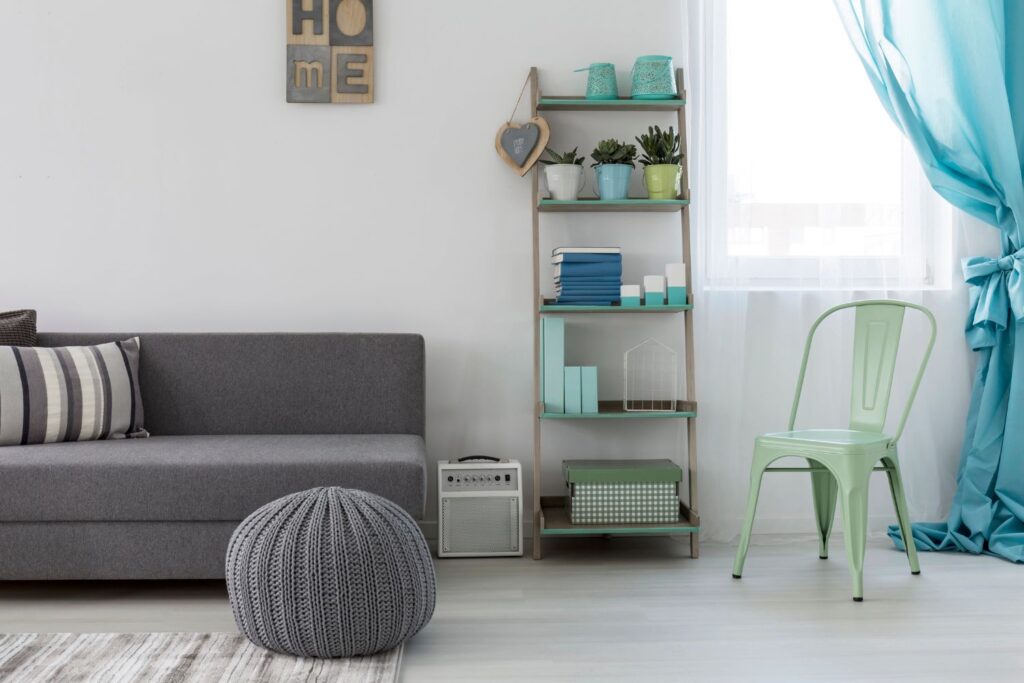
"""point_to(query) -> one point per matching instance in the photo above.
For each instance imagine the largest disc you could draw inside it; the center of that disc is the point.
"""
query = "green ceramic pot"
(662, 180)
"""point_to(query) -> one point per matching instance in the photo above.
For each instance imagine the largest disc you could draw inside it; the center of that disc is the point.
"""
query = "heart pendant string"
(519, 99)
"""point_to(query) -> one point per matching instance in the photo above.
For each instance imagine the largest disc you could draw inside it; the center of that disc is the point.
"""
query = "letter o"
(351, 17)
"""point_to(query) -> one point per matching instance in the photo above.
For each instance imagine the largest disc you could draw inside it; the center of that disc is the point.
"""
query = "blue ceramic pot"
(613, 180)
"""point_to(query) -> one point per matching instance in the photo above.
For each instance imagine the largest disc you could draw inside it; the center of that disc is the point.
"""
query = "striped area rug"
(177, 657)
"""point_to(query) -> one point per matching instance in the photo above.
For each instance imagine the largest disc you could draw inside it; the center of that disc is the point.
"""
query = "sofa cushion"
(73, 393)
(201, 478)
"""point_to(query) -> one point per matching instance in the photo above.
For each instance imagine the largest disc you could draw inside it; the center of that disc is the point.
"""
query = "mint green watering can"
(601, 83)
(654, 78)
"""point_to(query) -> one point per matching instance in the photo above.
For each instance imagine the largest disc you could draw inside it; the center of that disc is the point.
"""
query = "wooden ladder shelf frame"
(690, 520)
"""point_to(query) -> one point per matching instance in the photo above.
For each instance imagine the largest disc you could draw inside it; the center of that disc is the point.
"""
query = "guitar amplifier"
(480, 507)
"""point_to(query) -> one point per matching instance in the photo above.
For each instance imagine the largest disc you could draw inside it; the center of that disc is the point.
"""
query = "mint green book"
(573, 391)
(553, 364)
(588, 388)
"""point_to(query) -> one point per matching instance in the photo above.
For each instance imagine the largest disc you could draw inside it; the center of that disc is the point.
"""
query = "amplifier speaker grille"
(480, 525)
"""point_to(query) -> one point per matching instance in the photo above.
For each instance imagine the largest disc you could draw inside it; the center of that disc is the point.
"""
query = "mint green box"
(588, 384)
(630, 302)
(553, 364)
(573, 391)
(654, 298)
(676, 296)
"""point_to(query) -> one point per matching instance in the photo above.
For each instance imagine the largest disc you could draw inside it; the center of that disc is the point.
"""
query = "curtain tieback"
(997, 289)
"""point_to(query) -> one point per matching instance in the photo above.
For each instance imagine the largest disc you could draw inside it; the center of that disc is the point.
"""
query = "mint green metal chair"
(840, 461)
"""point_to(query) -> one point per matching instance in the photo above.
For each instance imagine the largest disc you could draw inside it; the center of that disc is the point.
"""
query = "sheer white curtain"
(779, 241)
(814, 187)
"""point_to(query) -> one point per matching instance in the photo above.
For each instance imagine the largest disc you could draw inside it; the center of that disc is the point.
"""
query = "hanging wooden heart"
(521, 144)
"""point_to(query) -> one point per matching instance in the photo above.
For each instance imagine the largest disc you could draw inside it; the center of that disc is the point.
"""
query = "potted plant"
(563, 174)
(661, 160)
(613, 165)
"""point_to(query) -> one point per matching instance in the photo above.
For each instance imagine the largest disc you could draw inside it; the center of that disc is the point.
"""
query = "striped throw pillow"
(74, 393)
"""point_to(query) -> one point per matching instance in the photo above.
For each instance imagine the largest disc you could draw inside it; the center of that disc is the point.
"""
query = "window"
(819, 190)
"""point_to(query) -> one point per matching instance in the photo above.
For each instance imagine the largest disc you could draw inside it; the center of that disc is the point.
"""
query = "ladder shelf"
(550, 514)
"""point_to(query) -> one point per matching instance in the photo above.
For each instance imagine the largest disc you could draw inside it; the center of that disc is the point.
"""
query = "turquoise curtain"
(950, 73)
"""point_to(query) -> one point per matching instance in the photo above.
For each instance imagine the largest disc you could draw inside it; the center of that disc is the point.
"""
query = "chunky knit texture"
(330, 572)
(18, 328)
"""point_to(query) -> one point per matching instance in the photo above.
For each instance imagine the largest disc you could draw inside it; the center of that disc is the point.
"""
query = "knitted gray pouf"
(330, 572)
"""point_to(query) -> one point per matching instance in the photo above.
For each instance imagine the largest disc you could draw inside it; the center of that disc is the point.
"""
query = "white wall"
(153, 178)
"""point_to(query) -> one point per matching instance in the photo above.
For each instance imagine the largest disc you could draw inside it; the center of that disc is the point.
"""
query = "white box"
(629, 290)
(654, 283)
(675, 273)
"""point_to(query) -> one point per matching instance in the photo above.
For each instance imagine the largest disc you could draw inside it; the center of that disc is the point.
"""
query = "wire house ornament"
(651, 379)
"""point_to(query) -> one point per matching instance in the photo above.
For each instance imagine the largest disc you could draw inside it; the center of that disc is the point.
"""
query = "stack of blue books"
(587, 276)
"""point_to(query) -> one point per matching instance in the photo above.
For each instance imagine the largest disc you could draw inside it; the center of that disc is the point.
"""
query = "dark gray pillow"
(18, 328)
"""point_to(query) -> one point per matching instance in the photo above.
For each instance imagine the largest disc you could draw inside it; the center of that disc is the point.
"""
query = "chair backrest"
(876, 341)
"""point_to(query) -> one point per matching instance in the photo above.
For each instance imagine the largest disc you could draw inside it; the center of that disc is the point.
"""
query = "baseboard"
(791, 525)
(770, 526)
(429, 529)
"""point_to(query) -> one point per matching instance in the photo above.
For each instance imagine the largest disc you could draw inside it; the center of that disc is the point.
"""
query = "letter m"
(305, 71)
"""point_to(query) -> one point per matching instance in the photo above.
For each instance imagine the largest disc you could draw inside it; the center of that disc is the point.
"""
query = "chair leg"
(902, 514)
(756, 474)
(825, 490)
(853, 491)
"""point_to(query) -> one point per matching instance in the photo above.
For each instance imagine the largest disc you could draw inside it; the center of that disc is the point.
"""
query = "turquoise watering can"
(654, 78)
(601, 83)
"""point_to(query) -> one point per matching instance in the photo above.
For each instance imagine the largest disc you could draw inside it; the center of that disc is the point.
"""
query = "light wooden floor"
(641, 610)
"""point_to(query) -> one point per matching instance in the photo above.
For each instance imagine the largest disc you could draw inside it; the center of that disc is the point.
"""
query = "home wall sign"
(330, 51)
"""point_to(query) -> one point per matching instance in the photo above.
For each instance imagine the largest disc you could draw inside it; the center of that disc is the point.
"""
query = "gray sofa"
(237, 420)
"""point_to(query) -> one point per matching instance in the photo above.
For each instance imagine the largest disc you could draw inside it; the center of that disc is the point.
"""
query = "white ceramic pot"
(565, 181)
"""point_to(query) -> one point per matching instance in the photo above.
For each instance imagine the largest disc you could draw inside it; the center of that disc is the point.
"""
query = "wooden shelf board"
(613, 410)
(549, 307)
(576, 103)
(590, 204)
(555, 522)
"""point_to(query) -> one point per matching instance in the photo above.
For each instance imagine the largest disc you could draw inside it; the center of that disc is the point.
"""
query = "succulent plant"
(564, 158)
(660, 147)
(612, 151)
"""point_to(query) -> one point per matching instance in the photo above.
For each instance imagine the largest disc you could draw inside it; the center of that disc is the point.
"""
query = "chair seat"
(810, 441)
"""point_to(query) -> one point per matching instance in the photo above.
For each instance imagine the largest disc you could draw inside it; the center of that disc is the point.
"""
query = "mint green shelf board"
(612, 410)
(555, 522)
(621, 104)
(554, 308)
(632, 204)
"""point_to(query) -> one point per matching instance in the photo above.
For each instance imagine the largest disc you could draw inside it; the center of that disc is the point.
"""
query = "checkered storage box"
(623, 491)
(619, 503)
